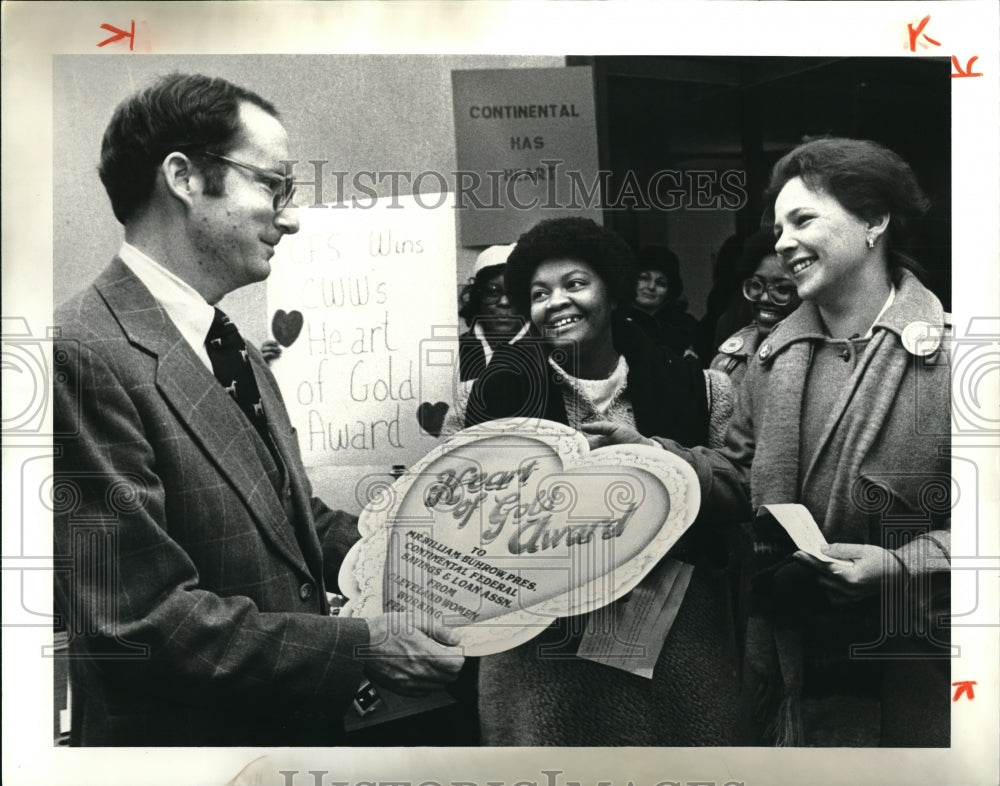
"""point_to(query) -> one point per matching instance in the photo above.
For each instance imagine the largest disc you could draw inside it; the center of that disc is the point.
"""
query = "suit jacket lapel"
(199, 401)
(286, 444)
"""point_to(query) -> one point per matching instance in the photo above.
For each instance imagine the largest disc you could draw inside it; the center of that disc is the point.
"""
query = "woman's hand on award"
(863, 571)
(602, 433)
(408, 660)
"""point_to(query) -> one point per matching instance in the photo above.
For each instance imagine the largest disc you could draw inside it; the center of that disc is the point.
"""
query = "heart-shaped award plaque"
(500, 530)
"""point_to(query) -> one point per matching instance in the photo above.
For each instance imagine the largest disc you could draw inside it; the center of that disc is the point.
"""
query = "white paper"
(798, 522)
(629, 636)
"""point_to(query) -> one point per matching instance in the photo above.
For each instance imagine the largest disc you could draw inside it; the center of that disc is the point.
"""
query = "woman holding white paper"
(583, 361)
(845, 409)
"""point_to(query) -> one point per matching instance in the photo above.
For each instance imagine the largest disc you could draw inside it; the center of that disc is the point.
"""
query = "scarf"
(783, 595)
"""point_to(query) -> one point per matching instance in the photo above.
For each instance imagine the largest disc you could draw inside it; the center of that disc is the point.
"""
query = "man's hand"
(407, 660)
(602, 433)
(870, 568)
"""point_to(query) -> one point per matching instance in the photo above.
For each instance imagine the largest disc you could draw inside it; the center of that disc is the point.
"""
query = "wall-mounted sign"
(526, 142)
(366, 376)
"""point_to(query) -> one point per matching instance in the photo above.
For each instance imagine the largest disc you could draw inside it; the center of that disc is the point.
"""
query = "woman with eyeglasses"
(583, 360)
(487, 312)
(771, 293)
(846, 410)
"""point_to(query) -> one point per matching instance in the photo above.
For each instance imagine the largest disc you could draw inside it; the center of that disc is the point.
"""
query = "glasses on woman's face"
(780, 293)
(493, 293)
(282, 186)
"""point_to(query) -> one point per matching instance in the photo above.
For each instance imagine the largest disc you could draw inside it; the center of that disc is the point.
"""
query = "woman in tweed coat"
(845, 409)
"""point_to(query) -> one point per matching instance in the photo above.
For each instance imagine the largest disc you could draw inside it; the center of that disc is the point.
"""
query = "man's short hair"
(188, 113)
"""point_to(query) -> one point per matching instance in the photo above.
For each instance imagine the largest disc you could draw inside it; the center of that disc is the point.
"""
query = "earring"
(871, 241)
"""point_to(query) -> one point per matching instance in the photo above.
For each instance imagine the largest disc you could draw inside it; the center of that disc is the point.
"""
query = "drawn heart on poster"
(285, 327)
(431, 417)
(497, 532)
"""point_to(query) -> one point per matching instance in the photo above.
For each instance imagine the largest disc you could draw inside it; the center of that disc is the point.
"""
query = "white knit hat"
(494, 255)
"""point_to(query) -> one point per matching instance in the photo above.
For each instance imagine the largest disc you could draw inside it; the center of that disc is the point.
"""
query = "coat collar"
(199, 401)
(915, 316)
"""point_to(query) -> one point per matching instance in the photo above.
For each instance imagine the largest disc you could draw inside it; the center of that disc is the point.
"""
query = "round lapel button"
(920, 339)
(734, 344)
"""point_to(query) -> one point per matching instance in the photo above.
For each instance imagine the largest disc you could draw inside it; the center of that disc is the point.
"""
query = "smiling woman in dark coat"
(583, 361)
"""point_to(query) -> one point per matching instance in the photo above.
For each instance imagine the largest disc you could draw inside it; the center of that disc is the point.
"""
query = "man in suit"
(192, 559)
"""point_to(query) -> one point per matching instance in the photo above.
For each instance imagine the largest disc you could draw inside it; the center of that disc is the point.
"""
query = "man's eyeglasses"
(493, 293)
(780, 294)
(282, 186)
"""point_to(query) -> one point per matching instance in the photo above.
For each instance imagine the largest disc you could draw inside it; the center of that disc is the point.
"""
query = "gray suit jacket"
(191, 566)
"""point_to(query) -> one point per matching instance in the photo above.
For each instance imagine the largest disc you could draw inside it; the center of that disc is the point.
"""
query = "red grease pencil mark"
(968, 67)
(119, 34)
(916, 32)
(964, 687)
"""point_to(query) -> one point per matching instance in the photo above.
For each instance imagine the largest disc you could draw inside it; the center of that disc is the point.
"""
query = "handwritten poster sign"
(359, 299)
(526, 143)
(500, 530)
